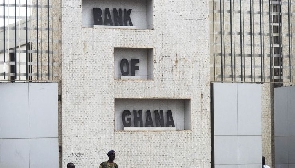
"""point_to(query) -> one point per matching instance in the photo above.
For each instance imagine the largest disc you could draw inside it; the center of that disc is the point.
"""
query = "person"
(263, 163)
(110, 163)
(70, 165)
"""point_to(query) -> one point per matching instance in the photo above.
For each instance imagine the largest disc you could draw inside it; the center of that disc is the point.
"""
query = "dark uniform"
(108, 165)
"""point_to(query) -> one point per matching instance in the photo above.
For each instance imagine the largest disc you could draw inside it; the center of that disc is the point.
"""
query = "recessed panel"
(281, 150)
(291, 112)
(151, 114)
(14, 120)
(249, 109)
(14, 153)
(291, 157)
(133, 63)
(43, 109)
(225, 109)
(281, 127)
(226, 150)
(44, 153)
(249, 150)
(133, 14)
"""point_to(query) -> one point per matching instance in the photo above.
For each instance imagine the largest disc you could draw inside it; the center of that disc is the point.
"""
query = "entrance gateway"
(29, 125)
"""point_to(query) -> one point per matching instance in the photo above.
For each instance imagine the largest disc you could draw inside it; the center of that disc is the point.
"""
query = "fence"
(252, 41)
(29, 45)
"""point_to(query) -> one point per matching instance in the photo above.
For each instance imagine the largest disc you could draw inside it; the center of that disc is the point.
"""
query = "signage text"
(157, 121)
(119, 17)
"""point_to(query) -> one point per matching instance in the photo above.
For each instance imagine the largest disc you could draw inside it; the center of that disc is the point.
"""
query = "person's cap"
(70, 165)
(110, 152)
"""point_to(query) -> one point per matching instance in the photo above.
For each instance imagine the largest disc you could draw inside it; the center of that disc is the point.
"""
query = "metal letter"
(107, 17)
(133, 67)
(159, 118)
(128, 119)
(127, 17)
(97, 15)
(137, 118)
(124, 63)
(149, 120)
(118, 17)
(170, 120)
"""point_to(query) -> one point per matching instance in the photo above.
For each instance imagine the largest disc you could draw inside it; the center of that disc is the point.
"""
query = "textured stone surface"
(180, 40)
(267, 123)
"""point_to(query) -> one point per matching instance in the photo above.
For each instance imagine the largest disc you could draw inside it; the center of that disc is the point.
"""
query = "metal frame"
(35, 27)
(248, 43)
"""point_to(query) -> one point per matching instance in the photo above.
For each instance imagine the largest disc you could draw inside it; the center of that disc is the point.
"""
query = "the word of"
(118, 18)
(124, 67)
(158, 121)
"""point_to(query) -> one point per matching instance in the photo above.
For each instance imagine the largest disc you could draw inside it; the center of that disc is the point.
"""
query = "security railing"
(29, 40)
(252, 40)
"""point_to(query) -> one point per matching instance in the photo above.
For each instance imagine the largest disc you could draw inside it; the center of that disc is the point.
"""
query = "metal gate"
(252, 40)
(284, 124)
(28, 125)
(236, 119)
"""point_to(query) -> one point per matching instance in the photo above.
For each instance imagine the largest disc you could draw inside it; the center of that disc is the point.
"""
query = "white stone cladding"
(181, 68)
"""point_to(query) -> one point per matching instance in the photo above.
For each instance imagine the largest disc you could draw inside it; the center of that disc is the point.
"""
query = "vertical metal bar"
(213, 32)
(261, 43)
(234, 50)
(243, 45)
(31, 61)
(4, 35)
(15, 60)
(37, 39)
(19, 45)
(221, 39)
(290, 39)
(263, 40)
(241, 40)
(48, 40)
(231, 40)
(270, 39)
(244, 55)
(27, 68)
(41, 40)
(251, 41)
(281, 43)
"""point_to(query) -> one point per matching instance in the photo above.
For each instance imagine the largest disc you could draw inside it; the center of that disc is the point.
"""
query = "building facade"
(163, 83)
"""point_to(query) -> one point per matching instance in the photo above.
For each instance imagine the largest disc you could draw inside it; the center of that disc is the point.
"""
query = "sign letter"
(159, 118)
(97, 12)
(118, 17)
(107, 17)
(149, 120)
(133, 67)
(138, 118)
(170, 120)
(124, 115)
(127, 17)
(124, 63)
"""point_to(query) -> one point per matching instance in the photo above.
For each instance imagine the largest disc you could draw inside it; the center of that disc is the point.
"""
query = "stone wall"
(179, 38)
